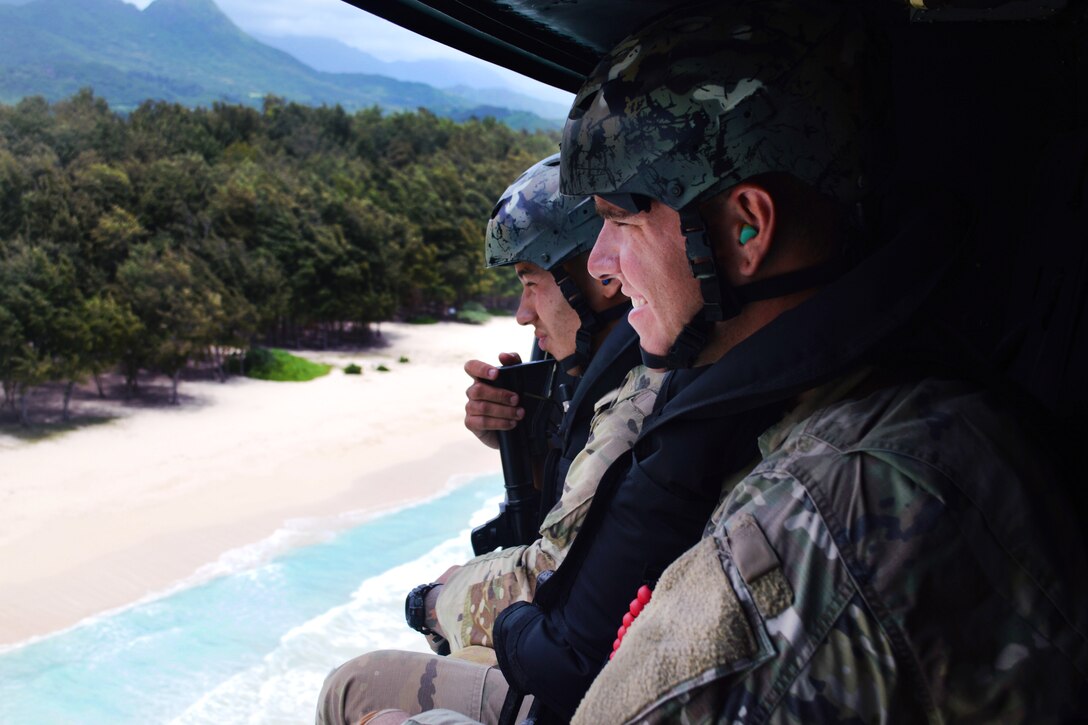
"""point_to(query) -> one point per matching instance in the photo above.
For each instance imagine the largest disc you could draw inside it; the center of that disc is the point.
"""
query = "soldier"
(547, 237)
(901, 547)
(578, 321)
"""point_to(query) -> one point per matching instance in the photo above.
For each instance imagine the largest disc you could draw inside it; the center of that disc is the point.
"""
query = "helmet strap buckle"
(591, 322)
(720, 302)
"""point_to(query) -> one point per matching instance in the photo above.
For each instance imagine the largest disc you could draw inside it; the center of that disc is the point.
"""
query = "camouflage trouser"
(413, 682)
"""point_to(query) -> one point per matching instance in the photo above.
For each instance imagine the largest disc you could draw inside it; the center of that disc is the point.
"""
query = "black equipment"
(518, 517)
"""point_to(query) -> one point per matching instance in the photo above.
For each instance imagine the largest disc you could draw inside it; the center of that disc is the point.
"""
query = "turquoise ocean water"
(249, 638)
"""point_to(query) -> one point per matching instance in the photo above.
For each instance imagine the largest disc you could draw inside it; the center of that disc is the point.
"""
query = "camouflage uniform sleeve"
(475, 594)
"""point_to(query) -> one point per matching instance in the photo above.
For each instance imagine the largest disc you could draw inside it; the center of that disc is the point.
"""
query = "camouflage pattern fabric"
(696, 103)
(413, 682)
(475, 594)
(533, 222)
(900, 555)
(440, 717)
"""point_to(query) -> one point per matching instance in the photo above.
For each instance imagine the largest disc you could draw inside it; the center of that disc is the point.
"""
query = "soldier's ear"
(747, 230)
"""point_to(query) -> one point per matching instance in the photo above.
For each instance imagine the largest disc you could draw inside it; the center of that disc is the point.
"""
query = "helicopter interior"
(990, 107)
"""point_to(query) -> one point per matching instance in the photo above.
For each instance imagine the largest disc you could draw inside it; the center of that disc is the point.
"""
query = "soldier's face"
(645, 252)
(554, 322)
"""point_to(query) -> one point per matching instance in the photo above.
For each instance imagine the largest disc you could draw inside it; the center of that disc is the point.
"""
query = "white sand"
(101, 516)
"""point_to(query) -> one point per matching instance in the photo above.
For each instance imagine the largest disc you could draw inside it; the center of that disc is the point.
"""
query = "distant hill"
(332, 56)
(469, 81)
(189, 52)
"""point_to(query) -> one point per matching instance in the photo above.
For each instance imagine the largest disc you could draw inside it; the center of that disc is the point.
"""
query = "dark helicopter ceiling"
(559, 41)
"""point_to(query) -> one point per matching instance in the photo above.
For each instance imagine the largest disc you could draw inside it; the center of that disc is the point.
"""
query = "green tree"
(84, 123)
(171, 233)
(107, 245)
(177, 310)
(43, 303)
(113, 329)
(174, 196)
(11, 347)
(14, 182)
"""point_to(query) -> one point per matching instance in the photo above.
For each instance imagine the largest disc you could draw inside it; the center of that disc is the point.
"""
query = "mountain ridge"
(189, 52)
(478, 85)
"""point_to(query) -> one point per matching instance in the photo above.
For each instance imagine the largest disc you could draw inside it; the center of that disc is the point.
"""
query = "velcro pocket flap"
(692, 631)
(759, 566)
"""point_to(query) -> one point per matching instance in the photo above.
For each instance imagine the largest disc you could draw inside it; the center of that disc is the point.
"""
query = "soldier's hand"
(490, 409)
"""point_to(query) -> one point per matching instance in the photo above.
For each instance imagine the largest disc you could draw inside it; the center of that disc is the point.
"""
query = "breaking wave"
(249, 638)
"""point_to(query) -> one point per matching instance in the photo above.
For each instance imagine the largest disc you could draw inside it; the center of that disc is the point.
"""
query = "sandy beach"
(101, 516)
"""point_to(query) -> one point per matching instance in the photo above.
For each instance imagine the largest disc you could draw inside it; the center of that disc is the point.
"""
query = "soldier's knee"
(343, 689)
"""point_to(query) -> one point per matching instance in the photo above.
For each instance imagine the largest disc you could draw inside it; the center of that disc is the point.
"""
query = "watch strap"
(415, 608)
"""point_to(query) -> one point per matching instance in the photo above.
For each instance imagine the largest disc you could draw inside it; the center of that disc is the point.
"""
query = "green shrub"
(259, 357)
(353, 369)
(382, 369)
(281, 366)
(473, 317)
(473, 313)
(403, 359)
(422, 320)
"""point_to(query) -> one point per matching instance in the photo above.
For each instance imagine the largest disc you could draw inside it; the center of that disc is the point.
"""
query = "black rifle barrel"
(517, 522)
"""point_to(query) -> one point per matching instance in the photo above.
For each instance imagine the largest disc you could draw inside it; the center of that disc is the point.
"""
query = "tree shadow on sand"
(46, 430)
(88, 409)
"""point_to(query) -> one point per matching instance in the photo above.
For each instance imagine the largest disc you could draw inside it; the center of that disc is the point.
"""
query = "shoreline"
(103, 517)
(300, 531)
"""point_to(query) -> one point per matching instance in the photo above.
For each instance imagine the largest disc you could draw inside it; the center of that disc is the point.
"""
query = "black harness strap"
(592, 322)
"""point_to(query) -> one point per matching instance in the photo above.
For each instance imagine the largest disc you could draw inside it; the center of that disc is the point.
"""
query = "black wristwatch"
(415, 608)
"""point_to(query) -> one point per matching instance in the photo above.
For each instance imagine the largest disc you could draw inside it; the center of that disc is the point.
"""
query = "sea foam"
(283, 688)
(250, 637)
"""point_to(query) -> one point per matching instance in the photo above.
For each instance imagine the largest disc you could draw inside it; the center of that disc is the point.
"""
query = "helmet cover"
(533, 222)
(701, 100)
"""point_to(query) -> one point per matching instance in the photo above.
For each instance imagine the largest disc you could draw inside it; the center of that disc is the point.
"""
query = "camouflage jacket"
(900, 554)
(479, 590)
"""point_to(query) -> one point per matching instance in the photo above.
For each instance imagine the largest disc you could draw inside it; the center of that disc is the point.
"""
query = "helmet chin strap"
(721, 300)
(591, 322)
(689, 343)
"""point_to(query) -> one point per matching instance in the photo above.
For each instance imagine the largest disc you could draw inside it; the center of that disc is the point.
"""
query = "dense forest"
(168, 235)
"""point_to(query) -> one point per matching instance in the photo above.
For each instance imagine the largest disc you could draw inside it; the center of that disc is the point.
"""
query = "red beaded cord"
(642, 598)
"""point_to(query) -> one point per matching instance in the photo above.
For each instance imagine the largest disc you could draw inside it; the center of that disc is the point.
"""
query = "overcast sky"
(350, 25)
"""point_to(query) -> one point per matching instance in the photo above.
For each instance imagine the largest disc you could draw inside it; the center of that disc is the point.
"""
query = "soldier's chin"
(561, 354)
(653, 340)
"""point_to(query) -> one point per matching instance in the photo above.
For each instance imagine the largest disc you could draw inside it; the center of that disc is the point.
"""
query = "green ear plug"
(746, 234)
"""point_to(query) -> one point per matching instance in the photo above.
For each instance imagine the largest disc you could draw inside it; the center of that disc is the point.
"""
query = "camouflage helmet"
(696, 102)
(533, 222)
